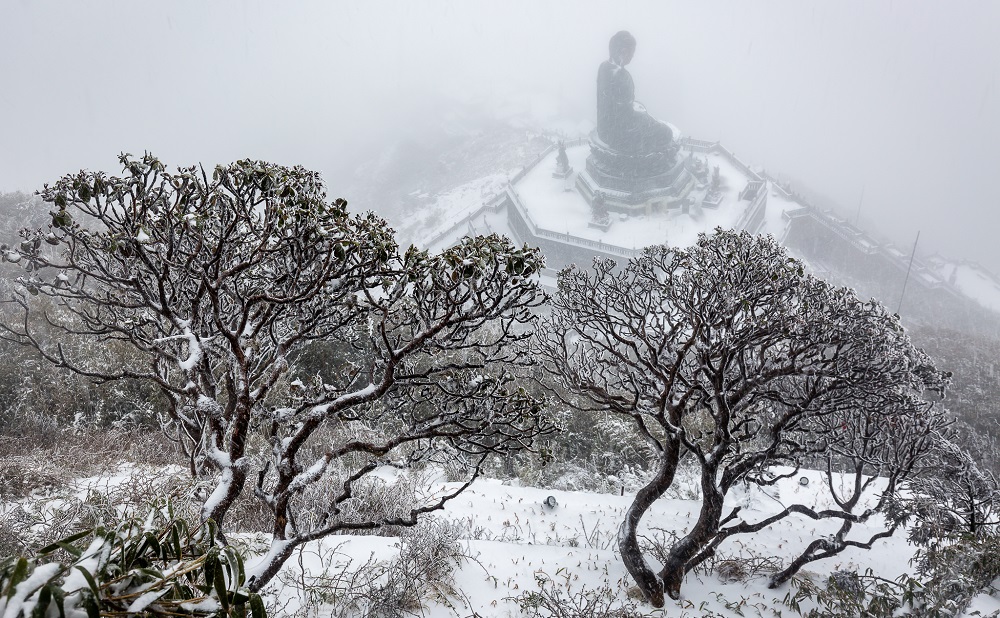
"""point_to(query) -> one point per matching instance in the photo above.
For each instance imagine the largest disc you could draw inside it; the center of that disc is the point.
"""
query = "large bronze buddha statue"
(633, 156)
(622, 123)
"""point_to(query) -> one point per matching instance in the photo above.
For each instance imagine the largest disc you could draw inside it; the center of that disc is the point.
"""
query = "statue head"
(622, 47)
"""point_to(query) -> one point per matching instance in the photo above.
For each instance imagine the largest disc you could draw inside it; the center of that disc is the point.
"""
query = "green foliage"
(845, 593)
(975, 364)
(152, 567)
(38, 398)
(951, 574)
(948, 577)
(591, 451)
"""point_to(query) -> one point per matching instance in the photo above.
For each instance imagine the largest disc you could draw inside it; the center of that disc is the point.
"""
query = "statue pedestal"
(623, 171)
(602, 225)
(631, 183)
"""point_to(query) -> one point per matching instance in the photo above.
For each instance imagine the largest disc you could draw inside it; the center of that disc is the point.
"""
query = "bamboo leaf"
(20, 574)
(257, 609)
(235, 560)
(90, 605)
(221, 590)
(211, 566)
(65, 544)
(90, 580)
(175, 541)
(59, 597)
(44, 598)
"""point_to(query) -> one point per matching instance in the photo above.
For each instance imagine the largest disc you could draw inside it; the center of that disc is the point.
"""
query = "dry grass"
(34, 463)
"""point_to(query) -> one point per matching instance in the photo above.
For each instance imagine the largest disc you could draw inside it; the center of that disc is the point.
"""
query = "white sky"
(899, 98)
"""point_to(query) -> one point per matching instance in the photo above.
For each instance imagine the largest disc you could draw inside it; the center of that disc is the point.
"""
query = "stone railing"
(753, 188)
(493, 204)
(776, 186)
(497, 201)
(753, 216)
(530, 166)
(464, 221)
(539, 232)
(740, 165)
(700, 145)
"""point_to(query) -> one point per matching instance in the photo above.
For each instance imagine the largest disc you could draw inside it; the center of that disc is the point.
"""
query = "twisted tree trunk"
(700, 535)
(628, 545)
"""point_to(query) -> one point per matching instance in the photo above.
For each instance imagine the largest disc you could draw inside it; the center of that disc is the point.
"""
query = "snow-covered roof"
(971, 279)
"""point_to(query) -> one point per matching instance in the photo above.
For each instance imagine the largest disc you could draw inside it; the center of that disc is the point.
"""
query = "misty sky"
(898, 100)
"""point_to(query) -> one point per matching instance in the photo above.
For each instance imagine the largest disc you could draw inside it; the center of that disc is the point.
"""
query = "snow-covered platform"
(540, 210)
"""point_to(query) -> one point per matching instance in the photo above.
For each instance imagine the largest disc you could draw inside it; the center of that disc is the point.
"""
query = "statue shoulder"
(613, 75)
(606, 71)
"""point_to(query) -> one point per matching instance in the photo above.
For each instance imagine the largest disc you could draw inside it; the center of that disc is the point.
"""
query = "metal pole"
(907, 278)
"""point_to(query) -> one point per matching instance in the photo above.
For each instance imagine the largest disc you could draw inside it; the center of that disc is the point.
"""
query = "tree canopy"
(730, 352)
(215, 280)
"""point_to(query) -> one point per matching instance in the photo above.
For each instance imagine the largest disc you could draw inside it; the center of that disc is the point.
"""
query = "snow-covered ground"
(554, 205)
(553, 208)
(971, 279)
(454, 205)
(518, 544)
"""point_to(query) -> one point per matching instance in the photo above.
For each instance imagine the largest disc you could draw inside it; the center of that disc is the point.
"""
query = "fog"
(887, 108)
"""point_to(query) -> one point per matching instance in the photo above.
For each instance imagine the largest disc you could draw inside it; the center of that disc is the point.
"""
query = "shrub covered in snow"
(557, 597)
(729, 353)
(215, 281)
(154, 567)
(343, 587)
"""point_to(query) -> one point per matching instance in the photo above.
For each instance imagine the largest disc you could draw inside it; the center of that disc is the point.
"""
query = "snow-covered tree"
(216, 279)
(730, 352)
(873, 459)
(960, 498)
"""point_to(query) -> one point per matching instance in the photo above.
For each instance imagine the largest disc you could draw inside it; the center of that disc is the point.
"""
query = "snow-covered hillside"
(502, 550)
(518, 545)
(426, 186)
